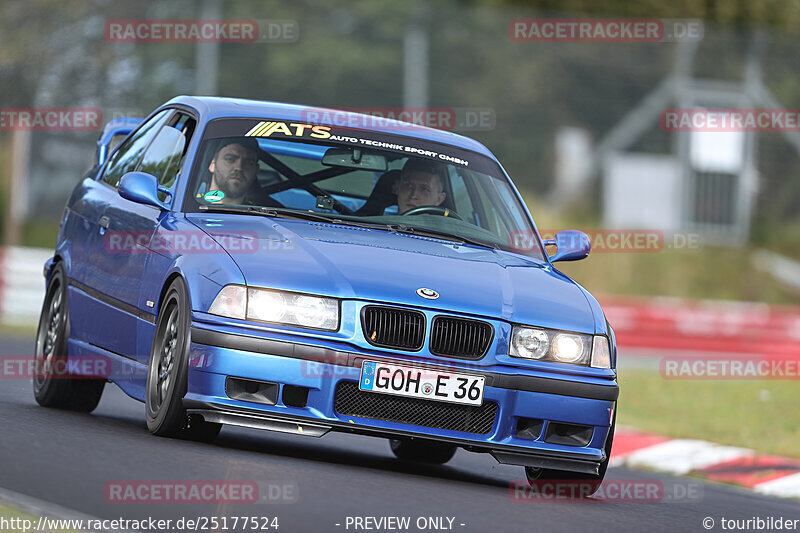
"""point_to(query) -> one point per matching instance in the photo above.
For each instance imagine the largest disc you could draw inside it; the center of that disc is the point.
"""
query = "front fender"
(203, 273)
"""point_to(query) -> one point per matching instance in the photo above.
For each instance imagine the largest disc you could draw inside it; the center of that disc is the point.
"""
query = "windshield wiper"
(438, 234)
(277, 212)
(284, 212)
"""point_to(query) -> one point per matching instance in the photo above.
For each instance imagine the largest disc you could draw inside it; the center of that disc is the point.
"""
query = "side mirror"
(571, 245)
(142, 188)
(115, 129)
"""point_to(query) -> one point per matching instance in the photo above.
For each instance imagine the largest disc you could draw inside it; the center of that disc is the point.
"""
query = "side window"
(127, 157)
(164, 158)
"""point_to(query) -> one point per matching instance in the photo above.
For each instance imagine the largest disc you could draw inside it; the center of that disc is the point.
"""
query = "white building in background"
(708, 184)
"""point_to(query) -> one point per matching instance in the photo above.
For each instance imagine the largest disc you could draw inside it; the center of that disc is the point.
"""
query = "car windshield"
(358, 177)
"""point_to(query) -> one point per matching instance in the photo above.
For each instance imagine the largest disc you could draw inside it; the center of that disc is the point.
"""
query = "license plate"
(421, 383)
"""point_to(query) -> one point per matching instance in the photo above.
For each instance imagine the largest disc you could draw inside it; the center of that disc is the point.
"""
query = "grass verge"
(676, 268)
(9, 513)
(14, 520)
(18, 330)
(760, 414)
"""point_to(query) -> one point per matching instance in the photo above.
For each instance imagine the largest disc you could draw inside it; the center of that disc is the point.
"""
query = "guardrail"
(21, 284)
(704, 325)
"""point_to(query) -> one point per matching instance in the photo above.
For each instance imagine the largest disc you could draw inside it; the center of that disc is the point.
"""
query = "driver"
(233, 170)
(421, 183)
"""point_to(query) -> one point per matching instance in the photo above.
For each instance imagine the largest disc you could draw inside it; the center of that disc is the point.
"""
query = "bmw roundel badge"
(429, 294)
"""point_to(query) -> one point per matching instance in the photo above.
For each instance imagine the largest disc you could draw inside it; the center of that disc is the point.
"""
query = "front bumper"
(217, 355)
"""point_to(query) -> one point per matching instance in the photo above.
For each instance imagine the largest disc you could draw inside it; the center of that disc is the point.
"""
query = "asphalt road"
(314, 484)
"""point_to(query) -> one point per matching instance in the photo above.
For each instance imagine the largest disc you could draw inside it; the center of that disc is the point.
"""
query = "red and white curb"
(765, 474)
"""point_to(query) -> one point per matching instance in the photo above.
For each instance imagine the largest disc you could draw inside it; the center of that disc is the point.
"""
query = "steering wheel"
(433, 210)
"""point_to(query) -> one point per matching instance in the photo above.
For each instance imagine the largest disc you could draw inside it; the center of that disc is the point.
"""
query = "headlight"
(569, 348)
(529, 343)
(559, 347)
(267, 306)
(278, 307)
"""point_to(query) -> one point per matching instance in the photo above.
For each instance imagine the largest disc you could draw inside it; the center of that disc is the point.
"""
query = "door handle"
(104, 222)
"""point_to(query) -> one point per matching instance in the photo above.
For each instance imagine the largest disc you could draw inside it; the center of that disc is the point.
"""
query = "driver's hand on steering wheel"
(432, 210)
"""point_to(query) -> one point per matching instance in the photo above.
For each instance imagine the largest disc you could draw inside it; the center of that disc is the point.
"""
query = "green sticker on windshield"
(214, 196)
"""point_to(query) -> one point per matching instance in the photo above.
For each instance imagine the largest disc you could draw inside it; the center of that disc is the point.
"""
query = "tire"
(50, 389)
(422, 451)
(578, 485)
(168, 369)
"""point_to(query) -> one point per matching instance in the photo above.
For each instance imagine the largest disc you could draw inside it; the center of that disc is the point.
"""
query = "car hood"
(377, 265)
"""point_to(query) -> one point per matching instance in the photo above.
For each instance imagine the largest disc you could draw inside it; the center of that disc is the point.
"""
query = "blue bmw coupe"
(308, 270)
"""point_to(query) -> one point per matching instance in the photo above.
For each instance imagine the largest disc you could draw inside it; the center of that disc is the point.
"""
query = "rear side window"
(126, 158)
(164, 158)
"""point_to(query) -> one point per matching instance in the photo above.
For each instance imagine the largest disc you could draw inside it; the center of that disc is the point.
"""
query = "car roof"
(211, 107)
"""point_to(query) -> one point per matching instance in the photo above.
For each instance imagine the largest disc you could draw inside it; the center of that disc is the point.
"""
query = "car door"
(93, 310)
(131, 226)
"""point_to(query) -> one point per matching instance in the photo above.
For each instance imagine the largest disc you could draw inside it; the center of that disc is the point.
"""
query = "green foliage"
(782, 14)
(713, 273)
(39, 233)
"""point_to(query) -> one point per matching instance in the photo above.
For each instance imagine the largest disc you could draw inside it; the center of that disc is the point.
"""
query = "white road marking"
(786, 487)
